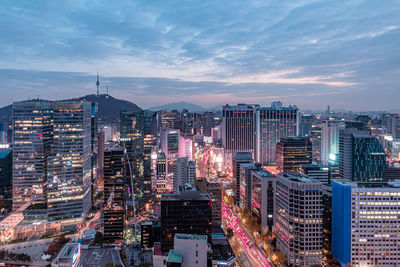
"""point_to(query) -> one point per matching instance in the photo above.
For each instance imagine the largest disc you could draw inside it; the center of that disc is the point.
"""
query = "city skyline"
(308, 53)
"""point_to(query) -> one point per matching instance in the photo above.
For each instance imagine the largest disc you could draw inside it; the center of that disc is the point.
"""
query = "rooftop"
(69, 250)
(263, 173)
(298, 177)
(191, 237)
(174, 257)
(391, 184)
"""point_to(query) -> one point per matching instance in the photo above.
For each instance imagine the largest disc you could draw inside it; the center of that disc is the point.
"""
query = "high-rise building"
(161, 174)
(273, 123)
(292, 152)
(315, 138)
(263, 185)
(94, 118)
(327, 221)
(246, 170)
(330, 141)
(237, 159)
(298, 221)
(188, 212)
(132, 138)
(391, 122)
(100, 159)
(5, 179)
(69, 163)
(184, 172)
(306, 123)
(215, 192)
(239, 127)
(361, 156)
(316, 172)
(114, 188)
(365, 223)
(32, 135)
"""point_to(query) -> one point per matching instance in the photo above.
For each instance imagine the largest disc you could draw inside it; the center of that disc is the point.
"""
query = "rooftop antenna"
(97, 83)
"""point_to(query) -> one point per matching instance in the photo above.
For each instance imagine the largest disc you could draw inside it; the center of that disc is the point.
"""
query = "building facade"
(292, 152)
(237, 159)
(184, 171)
(188, 212)
(298, 222)
(114, 196)
(365, 223)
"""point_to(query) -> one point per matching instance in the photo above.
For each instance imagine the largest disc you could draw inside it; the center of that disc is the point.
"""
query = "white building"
(366, 223)
(184, 172)
(298, 221)
(193, 249)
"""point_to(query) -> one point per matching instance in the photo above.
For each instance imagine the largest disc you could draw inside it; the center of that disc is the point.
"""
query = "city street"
(254, 254)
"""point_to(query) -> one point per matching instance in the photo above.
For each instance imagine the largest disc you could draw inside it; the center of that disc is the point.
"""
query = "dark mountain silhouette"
(109, 107)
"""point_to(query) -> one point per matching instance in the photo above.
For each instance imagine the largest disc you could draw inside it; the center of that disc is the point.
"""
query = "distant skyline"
(345, 54)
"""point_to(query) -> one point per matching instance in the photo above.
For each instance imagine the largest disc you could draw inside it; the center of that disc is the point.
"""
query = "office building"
(263, 199)
(5, 180)
(306, 123)
(391, 124)
(361, 156)
(161, 174)
(365, 223)
(188, 212)
(273, 123)
(94, 118)
(316, 172)
(69, 163)
(298, 222)
(184, 172)
(246, 170)
(292, 152)
(392, 173)
(327, 221)
(239, 126)
(330, 141)
(132, 138)
(32, 135)
(315, 139)
(237, 159)
(146, 231)
(215, 192)
(114, 188)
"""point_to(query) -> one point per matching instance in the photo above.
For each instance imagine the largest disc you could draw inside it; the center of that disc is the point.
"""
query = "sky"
(312, 53)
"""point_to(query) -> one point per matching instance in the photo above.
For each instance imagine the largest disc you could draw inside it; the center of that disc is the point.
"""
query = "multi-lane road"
(254, 254)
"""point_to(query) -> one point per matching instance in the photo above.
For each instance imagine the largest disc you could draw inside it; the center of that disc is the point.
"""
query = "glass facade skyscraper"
(69, 163)
(361, 157)
(273, 123)
(32, 135)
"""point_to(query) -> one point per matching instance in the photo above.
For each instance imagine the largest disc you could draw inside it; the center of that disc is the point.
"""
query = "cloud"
(312, 52)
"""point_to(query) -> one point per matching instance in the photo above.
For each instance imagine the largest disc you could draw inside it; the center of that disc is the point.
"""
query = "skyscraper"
(161, 174)
(114, 188)
(5, 179)
(33, 133)
(306, 123)
(246, 170)
(292, 152)
(330, 141)
(361, 156)
(237, 159)
(262, 200)
(184, 172)
(69, 163)
(316, 172)
(239, 126)
(391, 122)
(273, 123)
(298, 222)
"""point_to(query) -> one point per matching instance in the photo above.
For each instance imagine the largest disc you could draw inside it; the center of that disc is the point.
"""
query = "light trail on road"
(245, 241)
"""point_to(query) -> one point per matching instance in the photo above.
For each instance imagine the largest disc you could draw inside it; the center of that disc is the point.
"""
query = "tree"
(229, 233)
(110, 264)
(278, 258)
